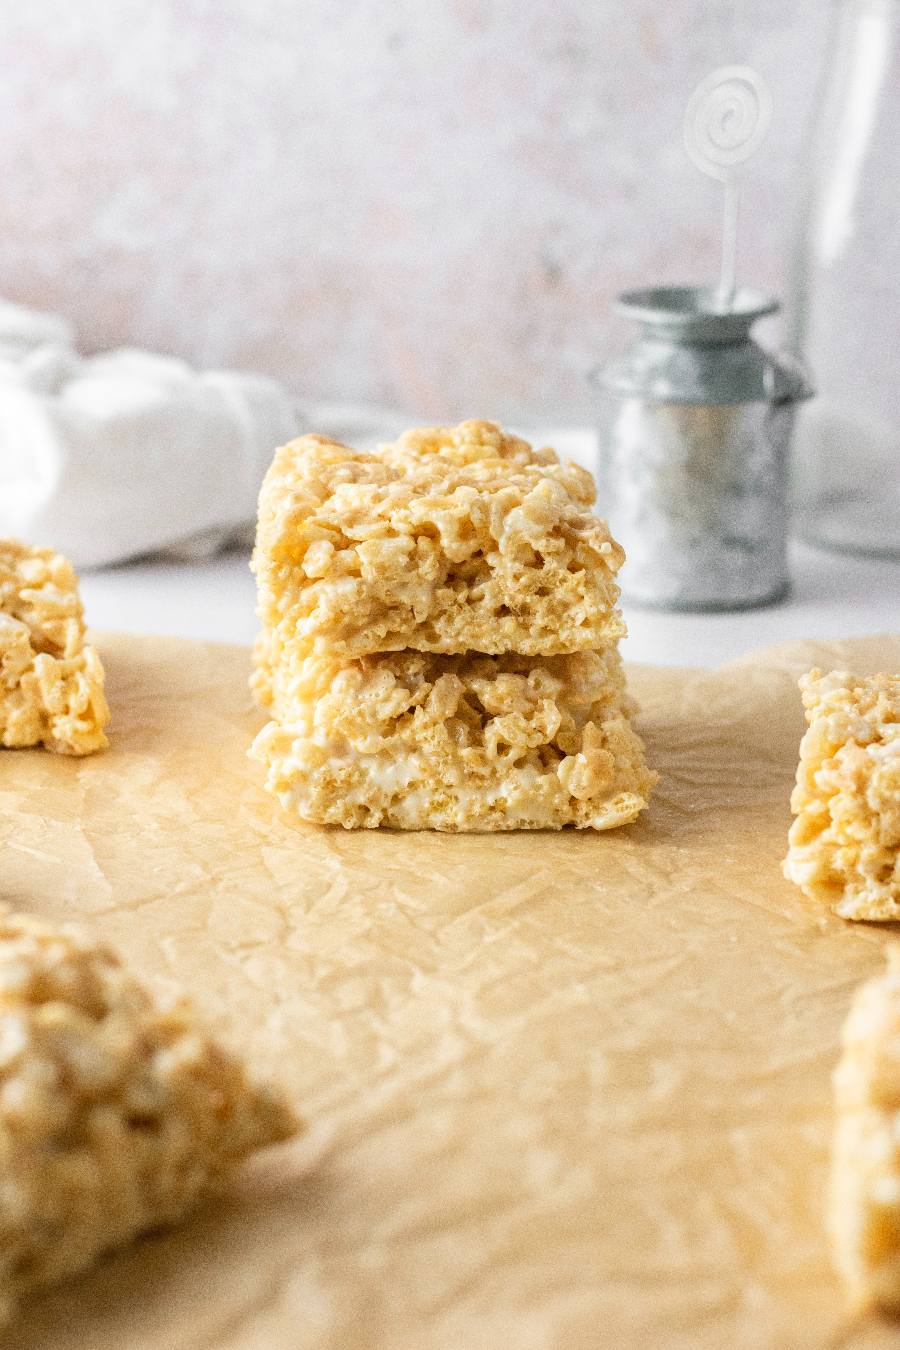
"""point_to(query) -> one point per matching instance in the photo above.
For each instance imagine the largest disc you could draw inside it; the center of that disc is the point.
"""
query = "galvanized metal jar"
(697, 454)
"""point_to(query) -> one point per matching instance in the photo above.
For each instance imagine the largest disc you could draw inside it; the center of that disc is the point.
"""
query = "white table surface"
(832, 596)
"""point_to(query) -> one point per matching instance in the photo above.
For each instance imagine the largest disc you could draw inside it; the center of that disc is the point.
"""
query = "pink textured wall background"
(426, 204)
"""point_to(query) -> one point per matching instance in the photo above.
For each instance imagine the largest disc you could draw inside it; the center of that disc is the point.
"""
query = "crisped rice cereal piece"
(864, 1208)
(453, 539)
(420, 741)
(117, 1112)
(51, 684)
(845, 843)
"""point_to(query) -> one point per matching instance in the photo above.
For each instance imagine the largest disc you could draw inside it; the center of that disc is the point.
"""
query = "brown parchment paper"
(565, 1090)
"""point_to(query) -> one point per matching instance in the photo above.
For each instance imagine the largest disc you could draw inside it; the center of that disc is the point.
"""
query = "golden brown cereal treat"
(453, 539)
(51, 684)
(117, 1113)
(418, 741)
(845, 844)
(864, 1209)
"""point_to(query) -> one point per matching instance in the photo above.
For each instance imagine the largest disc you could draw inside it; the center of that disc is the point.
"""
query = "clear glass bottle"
(842, 307)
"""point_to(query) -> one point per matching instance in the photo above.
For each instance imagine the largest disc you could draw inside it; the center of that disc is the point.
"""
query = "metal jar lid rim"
(696, 312)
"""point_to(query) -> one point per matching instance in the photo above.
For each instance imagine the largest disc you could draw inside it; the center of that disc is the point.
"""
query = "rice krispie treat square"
(452, 539)
(117, 1112)
(864, 1208)
(51, 684)
(422, 741)
(845, 843)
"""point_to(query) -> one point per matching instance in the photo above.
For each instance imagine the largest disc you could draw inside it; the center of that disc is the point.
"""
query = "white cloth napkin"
(111, 457)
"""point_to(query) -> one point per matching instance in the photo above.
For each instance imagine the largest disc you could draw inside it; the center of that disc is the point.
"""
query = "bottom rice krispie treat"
(473, 742)
(864, 1210)
(117, 1113)
(845, 844)
(51, 684)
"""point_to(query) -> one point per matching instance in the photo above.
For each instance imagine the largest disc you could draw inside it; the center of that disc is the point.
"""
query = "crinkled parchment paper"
(566, 1090)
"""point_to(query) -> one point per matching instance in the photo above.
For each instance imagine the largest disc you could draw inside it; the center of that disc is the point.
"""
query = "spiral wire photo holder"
(726, 121)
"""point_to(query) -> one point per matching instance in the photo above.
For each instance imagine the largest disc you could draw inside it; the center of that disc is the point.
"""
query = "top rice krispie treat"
(845, 844)
(453, 539)
(51, 684)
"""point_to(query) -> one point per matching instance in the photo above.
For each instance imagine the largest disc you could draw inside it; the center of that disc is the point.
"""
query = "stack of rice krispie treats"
(439, 644)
